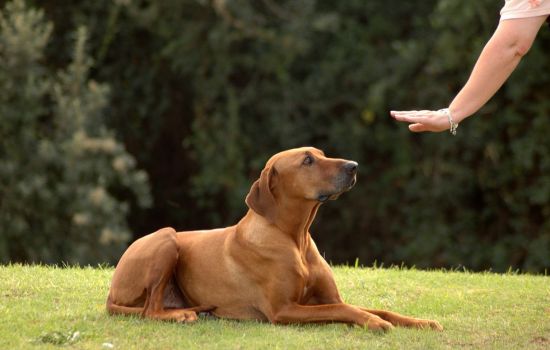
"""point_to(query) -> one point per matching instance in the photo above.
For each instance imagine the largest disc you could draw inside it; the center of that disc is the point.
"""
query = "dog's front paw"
(378, 324)
(429, 324)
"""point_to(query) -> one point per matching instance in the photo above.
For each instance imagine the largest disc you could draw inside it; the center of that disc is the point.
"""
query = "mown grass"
(49, 307)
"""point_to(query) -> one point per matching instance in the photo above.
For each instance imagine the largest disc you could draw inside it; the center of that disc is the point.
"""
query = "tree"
(203, 92)
(66, 183)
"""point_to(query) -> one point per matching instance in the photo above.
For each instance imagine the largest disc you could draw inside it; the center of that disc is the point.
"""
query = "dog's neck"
(296, 220)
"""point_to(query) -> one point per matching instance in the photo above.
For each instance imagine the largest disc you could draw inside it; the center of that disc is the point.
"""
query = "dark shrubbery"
(203, 92)
(60, 166)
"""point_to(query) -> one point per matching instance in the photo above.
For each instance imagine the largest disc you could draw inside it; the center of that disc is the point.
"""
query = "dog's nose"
(351, 167)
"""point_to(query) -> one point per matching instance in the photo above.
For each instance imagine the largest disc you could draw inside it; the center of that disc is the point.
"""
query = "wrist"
(457, 114)
(453, 125)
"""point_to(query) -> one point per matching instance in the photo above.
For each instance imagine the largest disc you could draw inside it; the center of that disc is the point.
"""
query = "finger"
(422, 113)
(418, 127)
(412, 112)
(409, 111)
(411, 119)
(394, 113)
(410, 116)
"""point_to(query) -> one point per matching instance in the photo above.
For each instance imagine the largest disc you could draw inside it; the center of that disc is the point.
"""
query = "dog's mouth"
(323, 197)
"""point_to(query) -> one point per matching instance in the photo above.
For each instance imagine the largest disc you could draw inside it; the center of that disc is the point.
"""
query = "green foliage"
(58, 338)
(485, 194)
(203, 92)
(62, 171)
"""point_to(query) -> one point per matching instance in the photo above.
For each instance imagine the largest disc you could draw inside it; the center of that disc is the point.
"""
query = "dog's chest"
(306, 281)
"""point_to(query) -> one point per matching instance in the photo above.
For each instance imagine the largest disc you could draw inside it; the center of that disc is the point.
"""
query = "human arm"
(502, 53)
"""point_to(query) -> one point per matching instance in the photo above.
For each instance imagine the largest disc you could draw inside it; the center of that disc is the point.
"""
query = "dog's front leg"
(295, 313)
(404, 321)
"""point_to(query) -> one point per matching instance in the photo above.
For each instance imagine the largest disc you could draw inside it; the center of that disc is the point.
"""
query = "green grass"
(44, 307)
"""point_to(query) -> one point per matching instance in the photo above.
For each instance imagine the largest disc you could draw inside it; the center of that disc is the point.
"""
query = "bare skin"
(511, 41)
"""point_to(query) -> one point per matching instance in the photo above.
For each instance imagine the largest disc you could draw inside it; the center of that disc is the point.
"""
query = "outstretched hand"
(435, 121)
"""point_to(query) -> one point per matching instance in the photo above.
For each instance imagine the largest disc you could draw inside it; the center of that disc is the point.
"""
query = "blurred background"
(118, 117)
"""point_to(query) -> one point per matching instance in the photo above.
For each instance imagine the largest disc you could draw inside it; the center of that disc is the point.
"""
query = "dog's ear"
(261, 198)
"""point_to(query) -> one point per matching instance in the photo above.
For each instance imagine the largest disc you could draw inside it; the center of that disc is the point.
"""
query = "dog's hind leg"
(141, 277)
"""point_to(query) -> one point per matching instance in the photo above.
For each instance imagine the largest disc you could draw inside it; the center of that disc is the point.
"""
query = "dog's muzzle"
(344, 182)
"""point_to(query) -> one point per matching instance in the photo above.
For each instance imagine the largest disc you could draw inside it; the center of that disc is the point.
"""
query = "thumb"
(418, 127)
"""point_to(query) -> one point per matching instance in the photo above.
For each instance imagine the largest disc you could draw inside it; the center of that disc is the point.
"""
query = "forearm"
(497, 61)
(494, 66)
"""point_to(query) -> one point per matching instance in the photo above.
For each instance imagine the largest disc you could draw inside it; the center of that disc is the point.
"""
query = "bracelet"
(454, 125)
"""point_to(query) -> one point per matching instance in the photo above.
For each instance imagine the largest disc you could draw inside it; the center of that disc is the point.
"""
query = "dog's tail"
(114, 309)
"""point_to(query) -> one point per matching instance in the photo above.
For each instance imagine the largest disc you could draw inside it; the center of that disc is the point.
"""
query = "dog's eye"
(308, 160)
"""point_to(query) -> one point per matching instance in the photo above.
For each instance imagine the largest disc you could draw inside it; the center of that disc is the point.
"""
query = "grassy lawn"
(47, 307)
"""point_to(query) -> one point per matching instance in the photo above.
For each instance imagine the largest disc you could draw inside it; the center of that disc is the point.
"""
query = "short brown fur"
(266, 267)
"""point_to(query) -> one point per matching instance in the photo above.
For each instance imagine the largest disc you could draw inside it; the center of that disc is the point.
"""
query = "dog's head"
(300, 174)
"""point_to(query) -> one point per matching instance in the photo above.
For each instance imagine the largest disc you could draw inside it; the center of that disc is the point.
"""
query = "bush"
(203, 92)
(62, 172)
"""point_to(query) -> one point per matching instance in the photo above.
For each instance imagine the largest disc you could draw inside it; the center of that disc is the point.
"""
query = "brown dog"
(266, 267)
